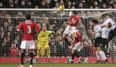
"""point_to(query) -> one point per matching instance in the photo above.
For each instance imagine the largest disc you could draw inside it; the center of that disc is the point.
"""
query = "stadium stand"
(55, 3)
(9, 20)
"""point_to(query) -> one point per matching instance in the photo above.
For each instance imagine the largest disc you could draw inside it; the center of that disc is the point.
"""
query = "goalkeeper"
(43, 42)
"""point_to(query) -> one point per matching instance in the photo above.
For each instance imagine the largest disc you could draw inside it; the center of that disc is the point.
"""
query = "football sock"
(72, 56)
(66, 40)
(31, 55)
(22, 58)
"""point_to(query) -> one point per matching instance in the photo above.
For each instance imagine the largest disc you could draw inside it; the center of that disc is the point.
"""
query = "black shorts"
(104, 42)
(112, 34)
(97, 42)
(77, 53)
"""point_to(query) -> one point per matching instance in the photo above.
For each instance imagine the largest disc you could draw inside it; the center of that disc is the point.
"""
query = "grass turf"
(59, 65)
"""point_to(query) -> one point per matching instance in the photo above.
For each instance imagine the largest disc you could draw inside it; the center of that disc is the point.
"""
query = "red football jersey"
(74, 21)
(29, 28)
(79, 39)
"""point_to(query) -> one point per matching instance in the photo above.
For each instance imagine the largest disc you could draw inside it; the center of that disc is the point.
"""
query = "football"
(61, 7)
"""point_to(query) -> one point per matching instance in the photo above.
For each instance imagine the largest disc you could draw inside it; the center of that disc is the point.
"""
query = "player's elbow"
(18, 30)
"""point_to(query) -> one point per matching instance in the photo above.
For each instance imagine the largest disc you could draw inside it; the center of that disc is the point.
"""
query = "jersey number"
(29, 29)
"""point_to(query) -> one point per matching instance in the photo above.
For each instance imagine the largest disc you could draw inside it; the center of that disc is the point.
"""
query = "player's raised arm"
(37, 27)
(19, 27)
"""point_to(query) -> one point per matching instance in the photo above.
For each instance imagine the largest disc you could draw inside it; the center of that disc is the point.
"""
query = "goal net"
(55, 21)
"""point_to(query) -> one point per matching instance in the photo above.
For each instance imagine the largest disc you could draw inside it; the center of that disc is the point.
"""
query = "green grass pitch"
(59, 65)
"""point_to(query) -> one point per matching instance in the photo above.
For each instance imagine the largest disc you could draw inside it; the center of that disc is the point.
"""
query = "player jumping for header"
(73, 23)
(76, 45)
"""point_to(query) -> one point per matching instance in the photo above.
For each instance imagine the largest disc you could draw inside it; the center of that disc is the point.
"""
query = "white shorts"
(100, 55)
(69, 29)
(28, 44)
(77, 46)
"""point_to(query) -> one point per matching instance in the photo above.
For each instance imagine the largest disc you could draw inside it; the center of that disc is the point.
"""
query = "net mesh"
(55, 21)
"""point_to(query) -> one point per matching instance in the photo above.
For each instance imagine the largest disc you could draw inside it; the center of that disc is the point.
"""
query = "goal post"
(103, 11)
(55, 21)
(37, 9)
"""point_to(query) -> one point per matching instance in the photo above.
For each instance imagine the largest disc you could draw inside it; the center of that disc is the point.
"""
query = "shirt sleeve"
(98, 29)
(38, 35)
(49, 32)
(20, 26)
(77, 18)
(79, 36)
(37, 27)
(106, 22)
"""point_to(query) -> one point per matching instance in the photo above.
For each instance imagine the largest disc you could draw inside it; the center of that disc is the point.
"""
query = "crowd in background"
(10, 40)
(55, 3)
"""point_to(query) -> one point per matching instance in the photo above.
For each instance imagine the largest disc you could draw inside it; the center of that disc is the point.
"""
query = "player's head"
(43, 27)
(74, 13)
(94, 21)
(109, 25)
(28, 17)
(106, 16)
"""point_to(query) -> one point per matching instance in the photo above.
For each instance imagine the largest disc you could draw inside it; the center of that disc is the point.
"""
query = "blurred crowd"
(10, 40)
(55, 3)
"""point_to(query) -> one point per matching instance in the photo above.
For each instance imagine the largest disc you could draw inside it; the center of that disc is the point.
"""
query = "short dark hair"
(109, 25)
(28, 17)
(94, 21)
(74, 12)
(107, 14)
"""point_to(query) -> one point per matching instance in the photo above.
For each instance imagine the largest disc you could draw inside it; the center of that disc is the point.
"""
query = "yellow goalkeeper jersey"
(44, 36)
(43, 42)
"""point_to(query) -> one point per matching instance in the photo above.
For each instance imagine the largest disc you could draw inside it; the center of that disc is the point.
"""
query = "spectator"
(69, 5)
(5, 47)
(84, 3)
(1, 38)
(13, 50)
(11, 4)
(100, 3)
(95, 4)
(18, 41)
(104, 5)
(23, 4)
(1, 4)
(114, 5)
(81, 5)
(56, 5)
(29, 4)
(10, 19)
(51, 3)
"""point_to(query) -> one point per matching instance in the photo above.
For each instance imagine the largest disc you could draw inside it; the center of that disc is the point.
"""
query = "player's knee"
(39, 48)
(47, 48)
(72, 51)
(31, 54)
